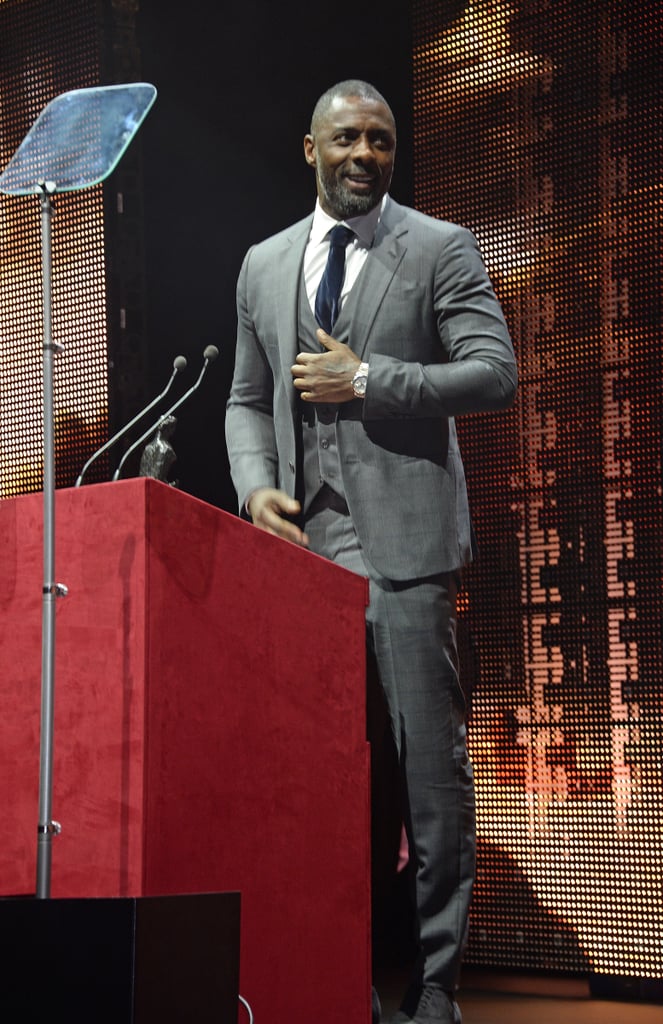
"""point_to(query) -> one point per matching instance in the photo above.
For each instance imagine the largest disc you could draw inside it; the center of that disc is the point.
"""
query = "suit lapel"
(288, 276)
(381, 264)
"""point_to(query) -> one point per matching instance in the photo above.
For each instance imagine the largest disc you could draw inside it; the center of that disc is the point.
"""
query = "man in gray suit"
(345, 442)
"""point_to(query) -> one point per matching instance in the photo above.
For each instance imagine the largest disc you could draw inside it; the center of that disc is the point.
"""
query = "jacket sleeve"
(476, 371)
(250, 436)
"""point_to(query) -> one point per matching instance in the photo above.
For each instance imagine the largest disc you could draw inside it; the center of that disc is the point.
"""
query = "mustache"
(360, 175)
(359, 171)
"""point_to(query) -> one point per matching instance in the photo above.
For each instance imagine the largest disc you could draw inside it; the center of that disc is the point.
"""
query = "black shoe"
(376, 1008)
(428, 1004)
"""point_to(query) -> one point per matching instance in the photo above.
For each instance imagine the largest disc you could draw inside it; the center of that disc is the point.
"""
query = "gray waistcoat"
(319, 449)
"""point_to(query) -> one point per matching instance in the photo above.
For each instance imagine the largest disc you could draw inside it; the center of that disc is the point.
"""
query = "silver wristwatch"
(360, 380)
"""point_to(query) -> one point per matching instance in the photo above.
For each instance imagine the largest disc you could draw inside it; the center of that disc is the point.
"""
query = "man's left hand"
(326, 376)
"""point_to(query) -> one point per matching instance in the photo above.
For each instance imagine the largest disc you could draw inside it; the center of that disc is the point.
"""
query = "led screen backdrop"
(538, 125)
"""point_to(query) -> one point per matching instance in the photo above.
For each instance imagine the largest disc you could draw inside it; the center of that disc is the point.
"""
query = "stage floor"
(485, 998)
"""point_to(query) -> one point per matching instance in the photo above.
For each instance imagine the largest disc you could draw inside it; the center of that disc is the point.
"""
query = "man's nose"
(362, 149)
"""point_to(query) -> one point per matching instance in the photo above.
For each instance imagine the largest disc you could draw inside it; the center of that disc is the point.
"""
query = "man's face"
(353, 154)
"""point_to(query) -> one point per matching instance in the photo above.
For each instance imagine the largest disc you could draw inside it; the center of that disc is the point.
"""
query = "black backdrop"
(224, 167)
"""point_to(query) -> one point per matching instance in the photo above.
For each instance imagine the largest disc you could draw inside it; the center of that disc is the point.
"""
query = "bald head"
(351, 87)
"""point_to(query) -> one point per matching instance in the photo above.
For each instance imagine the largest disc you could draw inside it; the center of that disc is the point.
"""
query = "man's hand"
(326, 376)
(267, 507)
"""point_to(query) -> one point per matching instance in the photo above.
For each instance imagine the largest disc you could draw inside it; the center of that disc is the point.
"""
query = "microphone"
(179, 364)
(209, 355)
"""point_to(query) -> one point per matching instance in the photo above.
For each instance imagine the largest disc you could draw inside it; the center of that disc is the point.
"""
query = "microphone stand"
(210, 354)
(178, 365)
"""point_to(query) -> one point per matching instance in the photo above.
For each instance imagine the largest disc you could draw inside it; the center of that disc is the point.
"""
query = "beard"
(342, 201)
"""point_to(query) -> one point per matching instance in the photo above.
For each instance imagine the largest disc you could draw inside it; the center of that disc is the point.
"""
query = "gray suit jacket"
(429, 324)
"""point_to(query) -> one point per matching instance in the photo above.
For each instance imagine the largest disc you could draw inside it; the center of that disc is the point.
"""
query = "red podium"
(209, 730)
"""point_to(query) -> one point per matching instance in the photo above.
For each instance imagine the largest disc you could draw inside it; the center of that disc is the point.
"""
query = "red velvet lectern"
(209, 730)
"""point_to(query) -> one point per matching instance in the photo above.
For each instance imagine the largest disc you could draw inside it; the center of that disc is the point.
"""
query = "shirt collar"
(364, 227)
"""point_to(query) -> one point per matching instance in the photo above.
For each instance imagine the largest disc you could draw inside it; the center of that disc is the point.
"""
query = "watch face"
(359, 385)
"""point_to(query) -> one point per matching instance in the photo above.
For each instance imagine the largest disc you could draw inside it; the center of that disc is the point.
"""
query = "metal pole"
(51, 590)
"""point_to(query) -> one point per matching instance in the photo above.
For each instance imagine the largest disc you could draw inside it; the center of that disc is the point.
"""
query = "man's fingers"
(285, 530)
(269, 507)
(303, 358)
(327, 341)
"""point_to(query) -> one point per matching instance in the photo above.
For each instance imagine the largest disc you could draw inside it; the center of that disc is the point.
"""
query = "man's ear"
(309, 150)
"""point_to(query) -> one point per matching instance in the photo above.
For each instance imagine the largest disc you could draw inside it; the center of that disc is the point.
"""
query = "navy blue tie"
(329, 290)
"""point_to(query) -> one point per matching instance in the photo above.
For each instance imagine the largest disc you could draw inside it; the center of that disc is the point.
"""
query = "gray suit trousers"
(411, 631)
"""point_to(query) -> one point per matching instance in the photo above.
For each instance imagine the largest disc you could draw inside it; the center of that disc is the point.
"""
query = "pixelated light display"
(48, 49)
(538, 126)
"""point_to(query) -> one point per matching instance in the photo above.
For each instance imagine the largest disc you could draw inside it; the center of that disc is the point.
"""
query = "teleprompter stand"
(76, 142)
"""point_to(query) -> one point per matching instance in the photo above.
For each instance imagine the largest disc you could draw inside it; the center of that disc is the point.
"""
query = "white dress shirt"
(317, 249)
